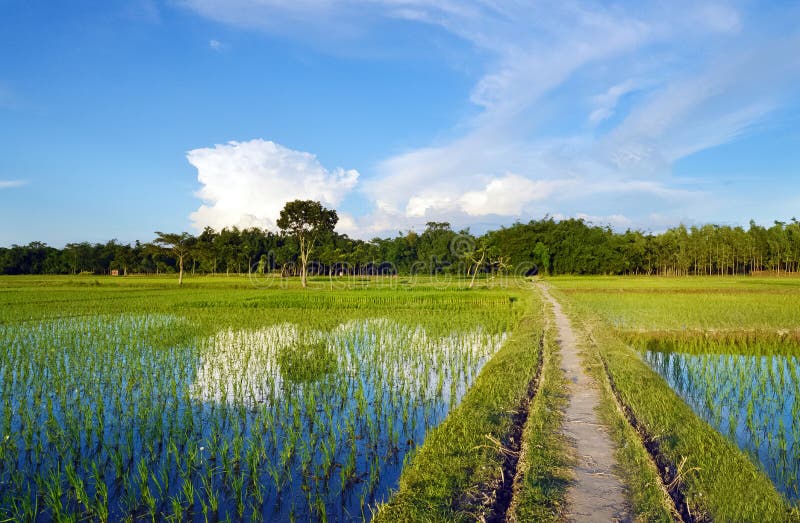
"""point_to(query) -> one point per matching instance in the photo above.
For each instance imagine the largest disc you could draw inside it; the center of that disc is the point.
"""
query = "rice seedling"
(747, 398)
(229, 403)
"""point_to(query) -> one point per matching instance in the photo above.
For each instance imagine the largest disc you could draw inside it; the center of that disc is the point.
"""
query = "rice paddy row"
(168, 404)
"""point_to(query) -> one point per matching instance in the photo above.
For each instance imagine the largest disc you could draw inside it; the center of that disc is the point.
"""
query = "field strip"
(597, 494)
(671, 482)
(512, 450)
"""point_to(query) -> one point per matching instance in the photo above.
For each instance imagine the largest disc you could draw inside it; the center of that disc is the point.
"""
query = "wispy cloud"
(646, 86)
(606, 103)
(10, 184)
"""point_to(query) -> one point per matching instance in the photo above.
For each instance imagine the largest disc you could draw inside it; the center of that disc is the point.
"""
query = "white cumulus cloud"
(246, 184)
(506, 196)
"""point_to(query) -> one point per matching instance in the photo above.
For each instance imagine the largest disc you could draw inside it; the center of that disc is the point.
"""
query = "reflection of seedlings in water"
(306, 362)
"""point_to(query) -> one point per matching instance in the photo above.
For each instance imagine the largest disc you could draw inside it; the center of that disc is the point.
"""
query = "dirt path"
(597, 494)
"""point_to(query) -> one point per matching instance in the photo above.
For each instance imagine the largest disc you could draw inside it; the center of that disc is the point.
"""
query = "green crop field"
(394, 398)
(677, 304)
(710, 370)
(229, 398)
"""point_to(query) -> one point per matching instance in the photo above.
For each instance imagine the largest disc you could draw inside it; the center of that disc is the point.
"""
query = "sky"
(121, 118)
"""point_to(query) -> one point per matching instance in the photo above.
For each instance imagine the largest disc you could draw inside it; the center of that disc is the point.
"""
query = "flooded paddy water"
(136, 416)
(750, 395)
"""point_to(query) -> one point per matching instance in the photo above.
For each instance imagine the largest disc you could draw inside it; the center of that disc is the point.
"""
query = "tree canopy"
(179, 243)
(553, 247)
(307, 221)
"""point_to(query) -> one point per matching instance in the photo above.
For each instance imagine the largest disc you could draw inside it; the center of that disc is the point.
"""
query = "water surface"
(136, 415)
(752, 400)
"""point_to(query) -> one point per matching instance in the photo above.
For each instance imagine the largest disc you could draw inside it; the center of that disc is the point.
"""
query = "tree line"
(547, 246)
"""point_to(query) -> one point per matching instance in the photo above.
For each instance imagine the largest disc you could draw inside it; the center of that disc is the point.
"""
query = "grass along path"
(717, 480)
(597, 494)
(461, 472)
(544, 468)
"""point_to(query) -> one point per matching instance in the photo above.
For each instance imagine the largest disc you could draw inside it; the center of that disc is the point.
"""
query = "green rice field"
(227, 400)
(729, 349)
(239, 399)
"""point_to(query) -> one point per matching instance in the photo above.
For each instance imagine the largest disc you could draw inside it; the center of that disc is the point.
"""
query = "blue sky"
(121, 118)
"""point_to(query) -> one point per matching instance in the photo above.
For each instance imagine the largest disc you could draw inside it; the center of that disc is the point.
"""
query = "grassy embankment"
(544, 468)
(453, 476)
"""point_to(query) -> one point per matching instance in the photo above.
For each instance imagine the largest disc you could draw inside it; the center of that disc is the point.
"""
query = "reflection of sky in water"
(224, 400)
(391, 384)
(753, 400)
(244, 364)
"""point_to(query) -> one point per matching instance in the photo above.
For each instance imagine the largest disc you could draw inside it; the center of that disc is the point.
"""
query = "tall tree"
(476, 258)
(179, 244)
(307, 221)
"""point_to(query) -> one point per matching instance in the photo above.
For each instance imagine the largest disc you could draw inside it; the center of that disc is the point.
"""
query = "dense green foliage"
(573, 247)
(553, 247)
